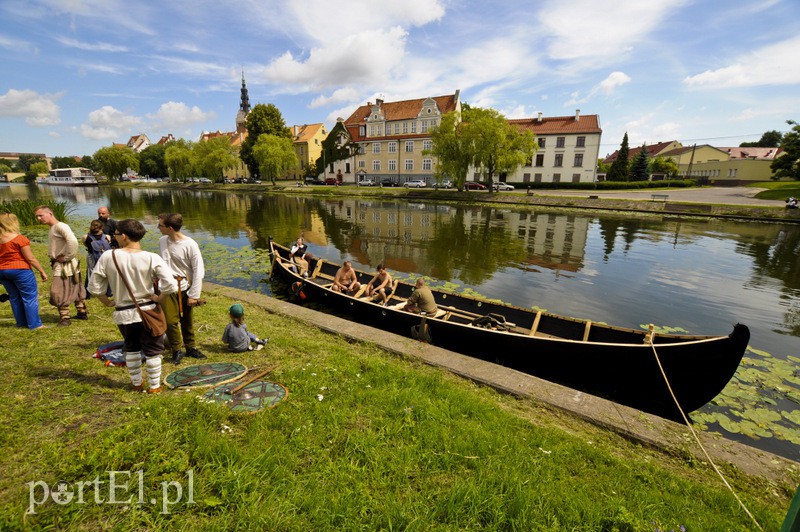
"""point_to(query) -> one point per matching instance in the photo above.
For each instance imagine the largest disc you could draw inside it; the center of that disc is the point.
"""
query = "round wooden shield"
(252, 398)
(203, 375)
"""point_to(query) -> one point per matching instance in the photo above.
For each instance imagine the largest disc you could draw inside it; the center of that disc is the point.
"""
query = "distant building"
(386, 140)
(568, 148)
(138, 142)
(236, 138)
(724, 165)
(653, 150)
(165, 139)
(307, 140)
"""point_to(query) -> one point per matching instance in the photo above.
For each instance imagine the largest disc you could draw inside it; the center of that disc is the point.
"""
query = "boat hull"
(697, 368)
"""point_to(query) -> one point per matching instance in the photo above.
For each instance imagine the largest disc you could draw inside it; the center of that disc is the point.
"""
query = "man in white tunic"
(182, 254)
(139, 268)
(62, 248)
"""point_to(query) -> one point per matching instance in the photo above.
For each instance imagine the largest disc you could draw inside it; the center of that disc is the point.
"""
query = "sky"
(78, 75)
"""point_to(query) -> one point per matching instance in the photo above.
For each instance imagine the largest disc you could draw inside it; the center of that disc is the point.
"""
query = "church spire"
(244, 106)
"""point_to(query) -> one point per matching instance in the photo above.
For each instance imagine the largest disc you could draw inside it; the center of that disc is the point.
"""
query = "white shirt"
(140, 269)
(183, 256)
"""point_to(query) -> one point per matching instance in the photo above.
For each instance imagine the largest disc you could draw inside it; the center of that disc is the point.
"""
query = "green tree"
(211, 157)
(498, 147)
(152, 162)
(663, 165)
(178, 158)
(88, 162)
(261, 120)
(275, 156)
(639, 165)
(113, 161)
(770, 139)
(452, 146)
(788, 163)
(26, 160)
(619, 168)
(63, 162)
(603, 167)
(35, 170)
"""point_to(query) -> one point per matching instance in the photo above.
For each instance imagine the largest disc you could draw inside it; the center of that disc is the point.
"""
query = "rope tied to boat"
(650, 339)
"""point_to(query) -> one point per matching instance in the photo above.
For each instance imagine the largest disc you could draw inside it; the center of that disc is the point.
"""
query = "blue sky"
(78, 75)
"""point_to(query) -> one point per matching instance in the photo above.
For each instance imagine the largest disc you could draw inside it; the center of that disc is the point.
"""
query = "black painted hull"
(613, 362)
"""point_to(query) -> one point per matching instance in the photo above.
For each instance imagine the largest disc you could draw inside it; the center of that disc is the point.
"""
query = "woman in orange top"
(16, 275)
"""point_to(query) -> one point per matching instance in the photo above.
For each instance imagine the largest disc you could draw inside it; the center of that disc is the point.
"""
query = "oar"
(248, 381)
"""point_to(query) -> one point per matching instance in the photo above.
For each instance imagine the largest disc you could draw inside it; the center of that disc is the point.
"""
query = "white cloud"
(606, 87)
(322, 23)
(97, 47)
(364, 58)
(108, 123)
(347, 94)
(610, 84)
(172, 115)
(602, 30)
(37, 109)
(16, 45)
(777, 64)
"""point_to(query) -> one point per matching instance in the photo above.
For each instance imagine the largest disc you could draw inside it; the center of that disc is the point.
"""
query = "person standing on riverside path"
(182, 254)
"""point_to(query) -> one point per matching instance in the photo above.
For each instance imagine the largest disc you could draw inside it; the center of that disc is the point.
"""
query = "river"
(695, 275)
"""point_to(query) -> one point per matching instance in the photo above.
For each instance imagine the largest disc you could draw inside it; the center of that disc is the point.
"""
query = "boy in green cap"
(236, 334)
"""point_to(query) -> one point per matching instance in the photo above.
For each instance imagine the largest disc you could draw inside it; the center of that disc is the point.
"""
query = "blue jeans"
(23, 294)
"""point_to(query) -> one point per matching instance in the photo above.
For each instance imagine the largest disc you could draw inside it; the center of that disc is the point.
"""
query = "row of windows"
(427, 164)
(392, 146)
(580, 142)
(577, 161)
(377, 130)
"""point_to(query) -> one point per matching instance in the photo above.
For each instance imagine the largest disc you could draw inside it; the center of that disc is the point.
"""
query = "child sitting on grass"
(236, 335)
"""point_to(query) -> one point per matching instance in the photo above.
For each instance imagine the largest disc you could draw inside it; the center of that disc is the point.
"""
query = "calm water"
(698, 275)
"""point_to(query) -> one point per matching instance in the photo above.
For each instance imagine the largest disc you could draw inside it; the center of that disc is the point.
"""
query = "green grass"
(365, 441)
(778, 189)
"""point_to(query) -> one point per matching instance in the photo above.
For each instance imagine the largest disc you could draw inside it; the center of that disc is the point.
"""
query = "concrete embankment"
(633, 424)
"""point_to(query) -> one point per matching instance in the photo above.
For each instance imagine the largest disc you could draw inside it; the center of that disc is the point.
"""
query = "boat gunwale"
(675, 340)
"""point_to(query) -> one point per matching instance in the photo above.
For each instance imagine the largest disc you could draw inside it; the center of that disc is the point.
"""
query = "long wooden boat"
(613, 362)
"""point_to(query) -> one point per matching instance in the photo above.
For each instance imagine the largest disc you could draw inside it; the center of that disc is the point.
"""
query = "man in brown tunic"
(62, 248)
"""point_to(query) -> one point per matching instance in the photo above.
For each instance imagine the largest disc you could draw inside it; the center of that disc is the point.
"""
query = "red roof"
(653, 150)
(555, 125)
(402, 110)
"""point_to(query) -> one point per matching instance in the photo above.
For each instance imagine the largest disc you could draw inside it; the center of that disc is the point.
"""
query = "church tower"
(244, 108)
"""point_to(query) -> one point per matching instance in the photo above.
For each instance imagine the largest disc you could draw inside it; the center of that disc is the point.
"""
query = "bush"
(23, 209)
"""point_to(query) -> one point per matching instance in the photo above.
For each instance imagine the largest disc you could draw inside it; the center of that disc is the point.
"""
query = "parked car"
(314, 181)
(474, 185)
(388, 183)
(415, 183)
(331, 181)
(366, 183)
(502, 186)
(204, 180)
(443, 184)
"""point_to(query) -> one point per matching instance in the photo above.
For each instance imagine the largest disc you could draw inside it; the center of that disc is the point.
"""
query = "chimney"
(577, 114)
(540, 117)
(378, 102)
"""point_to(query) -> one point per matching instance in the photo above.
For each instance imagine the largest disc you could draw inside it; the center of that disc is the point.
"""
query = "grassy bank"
(365, 440)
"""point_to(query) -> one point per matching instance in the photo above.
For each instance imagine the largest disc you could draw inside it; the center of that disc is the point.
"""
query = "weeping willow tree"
(275, 156)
